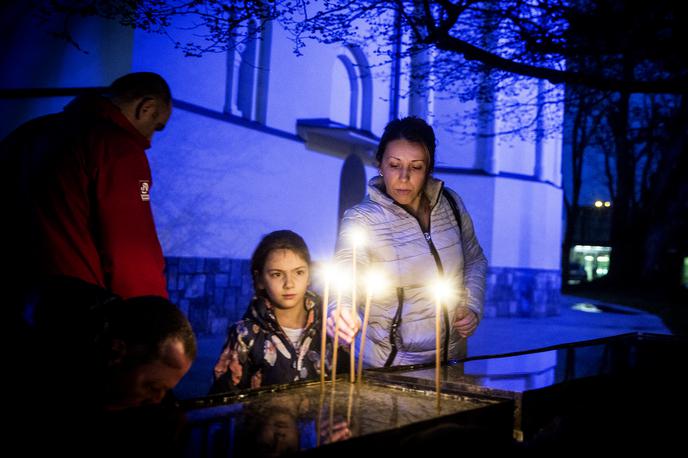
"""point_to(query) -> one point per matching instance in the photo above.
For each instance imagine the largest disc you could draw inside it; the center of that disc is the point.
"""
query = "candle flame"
(443, 289)
(333, 275)
(357, 236)
(341, 281)
(327, 271)
(375, 282)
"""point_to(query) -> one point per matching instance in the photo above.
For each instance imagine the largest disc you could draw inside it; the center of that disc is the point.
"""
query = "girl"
(278, 339)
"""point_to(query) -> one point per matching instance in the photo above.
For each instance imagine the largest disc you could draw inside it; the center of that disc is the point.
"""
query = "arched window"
(247, 73)
(351, 95)
(366, 87)
(344, 94)
(248, 70)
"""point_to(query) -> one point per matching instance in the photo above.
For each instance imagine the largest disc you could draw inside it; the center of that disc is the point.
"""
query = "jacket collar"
(94, 106)
(432, 190)
(262, 311)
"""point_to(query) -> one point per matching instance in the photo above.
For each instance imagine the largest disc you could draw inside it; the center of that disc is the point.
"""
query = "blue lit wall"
(30, 57)
(224, 176)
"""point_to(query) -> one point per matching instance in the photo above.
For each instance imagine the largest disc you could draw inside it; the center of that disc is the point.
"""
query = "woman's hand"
(465, 321)
(348, 326)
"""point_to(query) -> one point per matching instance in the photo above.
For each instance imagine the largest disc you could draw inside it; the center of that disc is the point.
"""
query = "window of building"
(351, 94)
(248, 71)
(344, 94)
(588, 262)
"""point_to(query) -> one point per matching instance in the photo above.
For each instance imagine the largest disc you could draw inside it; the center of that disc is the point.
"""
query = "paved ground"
(504, 335)
(494, 336)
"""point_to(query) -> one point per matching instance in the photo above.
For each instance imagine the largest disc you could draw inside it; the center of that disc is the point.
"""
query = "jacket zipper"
(440, 269)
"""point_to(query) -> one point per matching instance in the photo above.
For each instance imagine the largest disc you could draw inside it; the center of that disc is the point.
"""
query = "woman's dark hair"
(412, 129)
(277, 240)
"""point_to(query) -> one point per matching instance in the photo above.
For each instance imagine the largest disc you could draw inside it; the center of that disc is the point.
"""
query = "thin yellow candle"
(375, 282)
(327, 276)
(442, 291)
(357, 238)
(335, 344)
(438, 331)
(366, 314)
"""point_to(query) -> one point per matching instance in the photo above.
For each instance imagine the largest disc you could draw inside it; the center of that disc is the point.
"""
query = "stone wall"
(513, 292)
(214, 292)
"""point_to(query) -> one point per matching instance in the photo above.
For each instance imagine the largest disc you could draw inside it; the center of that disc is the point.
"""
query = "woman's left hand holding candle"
(348, 326)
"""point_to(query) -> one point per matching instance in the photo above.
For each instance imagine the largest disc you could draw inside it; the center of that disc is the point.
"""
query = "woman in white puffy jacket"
(416, 231)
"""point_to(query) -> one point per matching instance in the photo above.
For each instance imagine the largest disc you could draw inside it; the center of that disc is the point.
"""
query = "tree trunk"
(626, 230)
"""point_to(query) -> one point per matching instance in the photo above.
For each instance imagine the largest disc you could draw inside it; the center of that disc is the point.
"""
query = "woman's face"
(404, 169)
(285, 278)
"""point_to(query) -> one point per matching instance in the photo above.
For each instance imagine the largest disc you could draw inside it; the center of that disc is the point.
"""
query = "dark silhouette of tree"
(536, 37)
(584, 133)
(641, 134)
(646, 164)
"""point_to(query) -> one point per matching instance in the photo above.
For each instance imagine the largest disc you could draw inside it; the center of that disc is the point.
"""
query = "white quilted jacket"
(410, 260)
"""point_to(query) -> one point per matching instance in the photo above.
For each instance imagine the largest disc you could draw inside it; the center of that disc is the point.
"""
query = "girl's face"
(285, 278)
(404, 169)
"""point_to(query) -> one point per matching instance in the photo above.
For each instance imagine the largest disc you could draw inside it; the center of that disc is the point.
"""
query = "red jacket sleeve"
(132, 256)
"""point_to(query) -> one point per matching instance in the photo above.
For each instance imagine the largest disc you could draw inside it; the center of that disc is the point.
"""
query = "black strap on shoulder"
(457, 216)
(393, 332)
(454, 207)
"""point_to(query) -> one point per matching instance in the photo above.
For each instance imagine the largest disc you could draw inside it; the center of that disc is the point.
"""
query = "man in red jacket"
(79, 231)
(78, 191)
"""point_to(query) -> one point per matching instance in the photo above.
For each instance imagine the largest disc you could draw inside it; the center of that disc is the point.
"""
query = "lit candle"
(375, 282)
(438, 332)
(335, 343)
(327, 273)
(357, 238)
(340, 285)
(442, 290)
